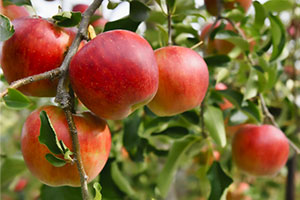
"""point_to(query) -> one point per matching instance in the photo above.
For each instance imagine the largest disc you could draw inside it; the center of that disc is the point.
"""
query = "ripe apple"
(226, 104)
(36, 47)
(114, 74)
(98, 22)
(183, 81)
(94, 139)
(212, 8)
(260, 150)
(237, 192)
(13, 11)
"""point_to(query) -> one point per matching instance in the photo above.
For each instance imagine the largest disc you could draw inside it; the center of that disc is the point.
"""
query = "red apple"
(94, 139)
(114, 74)
(36, 47)
(212, 8)
(98, 22)
(13, 11)
(21, 184)
(226, 104)
(183, 81)
(260, 150)
(237, 192)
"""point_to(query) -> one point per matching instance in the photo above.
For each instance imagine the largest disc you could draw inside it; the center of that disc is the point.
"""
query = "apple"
(212, 8)
(94, 139)
(260, 150)
(237, 192)
(183, 81)
(98, 22)
(21, 184)
(114, 74)
(36, 47)
(294, 28)
(226, 104)
(13, 11)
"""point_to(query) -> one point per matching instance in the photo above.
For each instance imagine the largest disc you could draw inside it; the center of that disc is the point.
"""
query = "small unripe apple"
(94, 139)
(183, 81)
(98, 22)
(212, 6)
(226, 104)
(13, 11)
(260, 150)
(37, 46)
(114, 74)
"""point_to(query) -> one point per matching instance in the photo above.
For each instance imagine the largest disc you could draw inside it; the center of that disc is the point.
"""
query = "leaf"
(16, 100)
(11, 167)
(217, 60)
(125, 23)
(55, 161)
(191, 116)
(174, 159)
(67, 19)
(251, 85)
(252, 111)
(6, 28)
(278, 36)
(48, 135)
(233, 96)
(278, 5)
(260, 15)
(98, 189)
(233, 38)
(64, 192)
(171, 4)
(120, 180)
(130, 136)
(17, 2)
(214, 122)
(219, 181)
(138, 11)
(222, 74)
(173, 132)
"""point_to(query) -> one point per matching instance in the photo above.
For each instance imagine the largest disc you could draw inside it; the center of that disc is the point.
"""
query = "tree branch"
(55, 73)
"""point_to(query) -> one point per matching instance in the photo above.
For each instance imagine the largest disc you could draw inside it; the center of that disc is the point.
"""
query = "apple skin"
(211, 5)
(114, 74)
(36, 47)
(97, 23)
(94, 139)
(183, 81)
(260, 150)
(13, 11)
(226, 104)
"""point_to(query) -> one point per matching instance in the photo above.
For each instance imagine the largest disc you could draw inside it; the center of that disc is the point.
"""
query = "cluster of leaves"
(157, 157)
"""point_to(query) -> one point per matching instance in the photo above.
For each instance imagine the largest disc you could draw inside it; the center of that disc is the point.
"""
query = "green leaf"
(175, 157)
(138, 11)
(279, 5)
(16, 100)
(64, 192)
(173, 132)
(278, 36)
(260, 15)
(233, 38)
(213, 118)
(130, 136)
(112, 5)
(125, 23)
(55, 161)
(120, 180)
(171, 4)
(67, 19)
(251, 85)
(6, 28)
(219, 181)
(48, 135)
(233, 96)
(98, 189)
(17, 2)
(217, 60)
(11, 167)
(191, 116)
(252, 111)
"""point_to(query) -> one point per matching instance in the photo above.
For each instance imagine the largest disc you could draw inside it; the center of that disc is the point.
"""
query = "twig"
(64, 98)
(169, 26)
(24, 81)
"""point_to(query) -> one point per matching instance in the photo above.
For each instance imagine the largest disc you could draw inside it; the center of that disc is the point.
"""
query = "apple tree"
(175, 100)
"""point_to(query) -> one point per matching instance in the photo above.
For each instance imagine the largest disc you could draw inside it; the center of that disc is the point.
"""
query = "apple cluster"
(113, 74)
